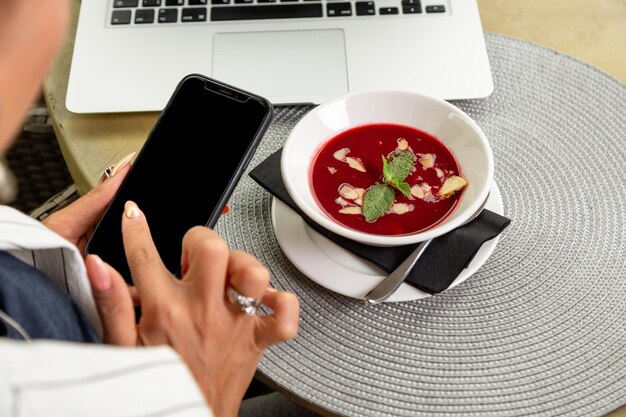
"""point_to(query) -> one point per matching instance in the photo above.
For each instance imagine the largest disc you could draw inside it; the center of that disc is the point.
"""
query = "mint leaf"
(400, 165)
(377, 201)
(397, 169)
(404, 188)
(386, 170)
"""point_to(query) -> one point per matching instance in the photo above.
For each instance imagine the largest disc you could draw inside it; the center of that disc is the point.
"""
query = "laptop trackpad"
(282, 63)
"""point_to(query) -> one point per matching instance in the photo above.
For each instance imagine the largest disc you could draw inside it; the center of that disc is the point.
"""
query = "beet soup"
(386, 179)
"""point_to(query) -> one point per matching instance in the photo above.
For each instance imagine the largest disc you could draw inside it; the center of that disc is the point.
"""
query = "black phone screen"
(180, 179)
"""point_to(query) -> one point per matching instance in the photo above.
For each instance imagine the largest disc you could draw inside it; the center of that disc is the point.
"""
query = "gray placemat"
(540, 329)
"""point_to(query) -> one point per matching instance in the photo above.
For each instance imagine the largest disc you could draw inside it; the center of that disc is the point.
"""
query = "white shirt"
(50, 378)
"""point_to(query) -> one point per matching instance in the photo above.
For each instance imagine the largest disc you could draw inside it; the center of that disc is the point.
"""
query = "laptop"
(130, 54)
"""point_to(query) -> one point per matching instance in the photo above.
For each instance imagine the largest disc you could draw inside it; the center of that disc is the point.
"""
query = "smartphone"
(187, 169)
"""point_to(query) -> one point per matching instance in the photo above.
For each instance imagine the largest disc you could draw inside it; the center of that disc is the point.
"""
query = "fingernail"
(100, 279)
(122, 163)
(131, 210)
(270, 289)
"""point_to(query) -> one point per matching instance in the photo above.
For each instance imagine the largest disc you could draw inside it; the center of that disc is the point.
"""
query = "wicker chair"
(44, 183)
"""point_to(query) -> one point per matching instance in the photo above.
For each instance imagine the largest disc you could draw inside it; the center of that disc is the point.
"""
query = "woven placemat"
(540, 329)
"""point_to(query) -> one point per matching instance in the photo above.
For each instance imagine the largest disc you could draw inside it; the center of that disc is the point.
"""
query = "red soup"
(386, 179)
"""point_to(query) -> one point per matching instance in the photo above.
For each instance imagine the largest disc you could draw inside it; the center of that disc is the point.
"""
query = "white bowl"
(437, 117)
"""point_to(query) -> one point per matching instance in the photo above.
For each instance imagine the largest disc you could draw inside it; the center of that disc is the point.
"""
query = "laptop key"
(365, 8)
(151, 3)
(168, 15)
(197, 2)
(144, 16)
(388, 10)
(125, 3)
(196, 14)
(243, 1)
(274, 11)
(174, 2)
(411, 9)
(436, 9)
(120, 17)
(220, 1)
(338, 9)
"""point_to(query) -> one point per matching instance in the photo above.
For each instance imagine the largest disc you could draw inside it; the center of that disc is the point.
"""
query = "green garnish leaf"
(379, 198)
(404, 188)
(387, 174)
(377, 201)
(397, 169)
(400, 165)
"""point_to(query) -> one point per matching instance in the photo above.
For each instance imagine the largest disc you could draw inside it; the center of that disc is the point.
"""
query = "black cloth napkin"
(437, 268)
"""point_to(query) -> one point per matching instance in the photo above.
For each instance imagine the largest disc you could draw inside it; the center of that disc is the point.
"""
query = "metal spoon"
(390, 284)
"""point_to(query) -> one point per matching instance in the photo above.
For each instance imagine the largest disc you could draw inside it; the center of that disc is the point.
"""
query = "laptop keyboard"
(139, 12)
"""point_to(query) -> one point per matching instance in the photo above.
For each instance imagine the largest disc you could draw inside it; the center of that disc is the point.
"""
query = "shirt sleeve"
(50, 378)
(35, 244)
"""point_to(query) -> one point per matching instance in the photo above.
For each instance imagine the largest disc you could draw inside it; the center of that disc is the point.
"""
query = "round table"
(539, 328)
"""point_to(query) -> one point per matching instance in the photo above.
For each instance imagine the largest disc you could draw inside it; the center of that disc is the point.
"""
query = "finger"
(88, 209)
(134, 295)
(247, 275)
(84, 239)
(113, 170)
(76, 221)
(283, 323)
(205, 260)
(113, 302)
(147, 270)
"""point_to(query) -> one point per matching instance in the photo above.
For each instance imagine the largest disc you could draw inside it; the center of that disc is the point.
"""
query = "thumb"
(113, 302)
(89, 208)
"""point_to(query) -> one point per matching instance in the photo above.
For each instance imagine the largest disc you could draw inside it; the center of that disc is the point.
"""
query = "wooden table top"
(594, 32)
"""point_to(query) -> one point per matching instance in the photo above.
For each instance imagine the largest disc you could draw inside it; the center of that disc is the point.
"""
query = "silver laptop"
(130, 54)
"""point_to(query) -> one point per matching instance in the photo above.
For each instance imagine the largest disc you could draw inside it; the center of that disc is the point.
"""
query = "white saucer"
(338, 270)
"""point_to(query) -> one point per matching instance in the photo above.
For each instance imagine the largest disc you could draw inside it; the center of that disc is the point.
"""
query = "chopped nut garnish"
(451, 185)
(425, 187)
(430, 198)
(341, 202)
(351, 210)
(348, 191)
(439, 172)
(416, 191)
(428, 160)
(403, 145)
(340, 155)
(332, 170)
(401, 208)
(361, 193)
(355, 163)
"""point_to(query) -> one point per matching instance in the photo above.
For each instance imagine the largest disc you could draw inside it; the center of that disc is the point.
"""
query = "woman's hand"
(76, 221)
(220, 343)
